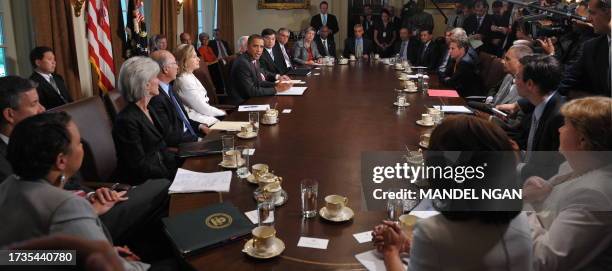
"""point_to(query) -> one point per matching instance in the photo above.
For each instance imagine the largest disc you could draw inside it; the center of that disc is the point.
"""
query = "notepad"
(373, 261)
(253, 107)
(454, 109)
(294, 91)
(187, 181)
(229, 125)
(295, 82)
(443, 93)
(363, 237)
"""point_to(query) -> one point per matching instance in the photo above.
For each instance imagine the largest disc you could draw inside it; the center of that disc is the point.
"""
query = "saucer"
(402, 105)
(251, 179)
(404, 78)
(345, 214)
(278, 202)
(268, 123)
(277, 248)
(399, 69)
(420, 122)
(246, 135)
(414, 90)
(423, 144)
(240, 163)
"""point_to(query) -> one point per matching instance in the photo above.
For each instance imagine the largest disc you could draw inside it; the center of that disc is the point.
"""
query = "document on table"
(229, 125)
(454, 109)
(187, 181)
(295, 82)
(443, 93)
(293, 91)
(313, 242)
(373, 260)
(253, 107)
(363, 237)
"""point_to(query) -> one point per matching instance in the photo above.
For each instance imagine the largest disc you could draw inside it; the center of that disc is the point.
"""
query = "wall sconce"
(78, 6)
(179, 6)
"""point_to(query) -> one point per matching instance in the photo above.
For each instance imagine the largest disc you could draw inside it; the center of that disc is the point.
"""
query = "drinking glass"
(401, 98)
(309, 190)
(254, 120)
(227, 142)
(395, 208)
(265, 213)
(243, 170)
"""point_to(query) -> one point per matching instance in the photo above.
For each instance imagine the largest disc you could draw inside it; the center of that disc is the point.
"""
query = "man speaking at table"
(249, 80)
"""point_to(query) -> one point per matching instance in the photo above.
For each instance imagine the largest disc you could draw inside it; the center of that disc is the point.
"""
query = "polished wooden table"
(346, 110)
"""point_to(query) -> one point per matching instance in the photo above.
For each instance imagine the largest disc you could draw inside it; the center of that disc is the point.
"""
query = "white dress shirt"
(193, 95)
(4, 138)
(269, 50)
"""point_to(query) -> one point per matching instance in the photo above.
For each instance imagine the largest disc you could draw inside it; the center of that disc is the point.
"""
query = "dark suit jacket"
(430, 58)
(215, 48)
(590, 72)
(5, 167)
(471, 25)
(331, 46)
(332, 23)
(47, 95)
(279, 59)
(545, 161)
(349, 46)
(465, 79)
(412, 50)
(268, 64)
(141, 150)
(247, 82)
(169, 119)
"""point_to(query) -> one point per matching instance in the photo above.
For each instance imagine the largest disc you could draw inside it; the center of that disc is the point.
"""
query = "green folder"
(206, 227)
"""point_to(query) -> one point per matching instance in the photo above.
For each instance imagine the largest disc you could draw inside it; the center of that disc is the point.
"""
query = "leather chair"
(203, 74)
(100, 160)
(491, 70)
(114, 103)
(225, 73)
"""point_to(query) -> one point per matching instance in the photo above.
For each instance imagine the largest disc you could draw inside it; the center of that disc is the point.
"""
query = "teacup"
(342, 61)
(334, 204)
(259, 169)
(352, 57)
(274, 189)
(268, 178)
(376, 56)
(426, 119)
(271, 116)
(263, 238)
(407, 223)
(231, 157)
(246, 129)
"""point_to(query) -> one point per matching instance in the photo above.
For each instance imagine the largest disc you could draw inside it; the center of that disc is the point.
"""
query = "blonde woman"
(191, 91)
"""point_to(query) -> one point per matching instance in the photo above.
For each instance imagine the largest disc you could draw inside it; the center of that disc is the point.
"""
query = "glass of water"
(309, 190)
(265, 213)
(243, 169)
(227, 142)
(254, 121)
(395, 208)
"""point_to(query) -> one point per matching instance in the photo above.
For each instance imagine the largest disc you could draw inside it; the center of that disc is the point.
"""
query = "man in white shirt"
(325, 19)
(52, 90)
(271, 61)
(280, 49)
(325, 42)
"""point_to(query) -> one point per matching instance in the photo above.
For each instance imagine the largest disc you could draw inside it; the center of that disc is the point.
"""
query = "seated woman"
(33, 202)
(206, 52)
(572, 229)
(191, 91)
(212, 61)
(139, 140)
(462, 74)
(305, 51)
(469, 234)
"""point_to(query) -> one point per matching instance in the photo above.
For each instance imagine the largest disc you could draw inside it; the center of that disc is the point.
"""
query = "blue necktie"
(179, 109)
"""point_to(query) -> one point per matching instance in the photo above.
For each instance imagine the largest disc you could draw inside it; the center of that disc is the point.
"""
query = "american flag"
(99, 43)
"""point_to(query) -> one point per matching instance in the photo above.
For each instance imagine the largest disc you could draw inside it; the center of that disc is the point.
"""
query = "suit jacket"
(465, 79)
(300, 53)
(430, 58)
(5, 167)
(316, 22)
(471, 25)
(169, 119)
(349, 46)
(47, 95)
(247, 82)
(412, 51)
(141, 149)
(545, 159)
(271, 65)
(331, 46)
(215, 48)
(591, 73)
(279, 59)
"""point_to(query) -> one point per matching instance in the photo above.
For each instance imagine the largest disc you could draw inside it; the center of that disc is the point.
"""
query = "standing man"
(219, 46)
(325, 42)
(52, 90)
(325, 19)
(281, 57)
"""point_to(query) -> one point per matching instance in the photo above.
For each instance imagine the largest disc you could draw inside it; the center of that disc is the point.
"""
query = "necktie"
(287, 61)
(54, 85)
(456, 21)
(359, 48)
(479, 23)
(255, 66)
(179, 110)
(271, 55)
(324, 19)
(403, 50)
(423, 52)
(325, 46)
(222, 51)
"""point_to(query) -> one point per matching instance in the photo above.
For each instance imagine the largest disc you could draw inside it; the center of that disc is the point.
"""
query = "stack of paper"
(454, 109)
(229, 125)
(253, 107)
(187, 181)
(294, 91)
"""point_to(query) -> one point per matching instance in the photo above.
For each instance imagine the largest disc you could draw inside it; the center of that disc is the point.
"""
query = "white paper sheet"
(293, 91)
(229, 125)
(295, 82)
(424, 214)
(253, 107)
(454, 109)
(187, 181)
(313, 242)
(286, 111)
(363, 237)
(373, 260)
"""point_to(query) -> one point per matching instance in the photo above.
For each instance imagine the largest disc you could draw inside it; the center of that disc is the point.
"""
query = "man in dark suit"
(478, 25)
(325, 19)
(171, 114)
(407, 47)
(52, 90)
(281, 55)
(358, 46)
(249, 80)
(268, 60)
(428, 55)
(463, 73)
(219, 46)
(536, 81)
(325, 42)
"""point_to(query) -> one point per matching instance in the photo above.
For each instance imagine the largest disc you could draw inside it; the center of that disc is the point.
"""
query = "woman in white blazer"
(191, 91)
(572, 226)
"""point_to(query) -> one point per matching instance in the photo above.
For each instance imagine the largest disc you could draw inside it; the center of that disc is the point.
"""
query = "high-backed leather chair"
(100, 160)
(114, 103)
(491, 70)
(203, 74)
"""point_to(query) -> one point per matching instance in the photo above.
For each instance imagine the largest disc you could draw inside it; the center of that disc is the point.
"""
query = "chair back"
(203, 74)
(491, 70)
(114, 103)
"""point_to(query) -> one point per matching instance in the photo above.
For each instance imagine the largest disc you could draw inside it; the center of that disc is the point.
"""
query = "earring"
(62, 180)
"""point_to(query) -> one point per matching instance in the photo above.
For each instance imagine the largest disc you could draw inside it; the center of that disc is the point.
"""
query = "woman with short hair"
(305, 51)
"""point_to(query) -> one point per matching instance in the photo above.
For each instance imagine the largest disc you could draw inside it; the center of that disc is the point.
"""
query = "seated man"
(249, 80)
(281, 57)
(325, 42)
(407, 47)
(358, 46)
(268, 60)
(52, 89)
(507, 92)
(428, 55)
(462, 74)
(219, 46)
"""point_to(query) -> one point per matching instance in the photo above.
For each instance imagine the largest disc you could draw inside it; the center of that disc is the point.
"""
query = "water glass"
(265, 213)
(227, 142)
(309, 191)
(401, 98)
(254, 121)
(243, 170)
(395, 208)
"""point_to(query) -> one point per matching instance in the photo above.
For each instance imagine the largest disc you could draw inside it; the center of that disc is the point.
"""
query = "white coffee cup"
(352, 57)
(426, 119)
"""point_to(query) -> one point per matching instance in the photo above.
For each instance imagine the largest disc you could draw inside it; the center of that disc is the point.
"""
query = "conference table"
(346, 110)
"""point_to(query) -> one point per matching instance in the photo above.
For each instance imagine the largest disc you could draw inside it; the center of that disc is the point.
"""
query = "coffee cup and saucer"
(352, 58)
(246, 132)
(399, 67)
(270, 117)
(335, 209)
(426, 120)
(264, 244)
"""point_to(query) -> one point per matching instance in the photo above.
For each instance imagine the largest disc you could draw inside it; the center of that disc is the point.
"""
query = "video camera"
(547, 21)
